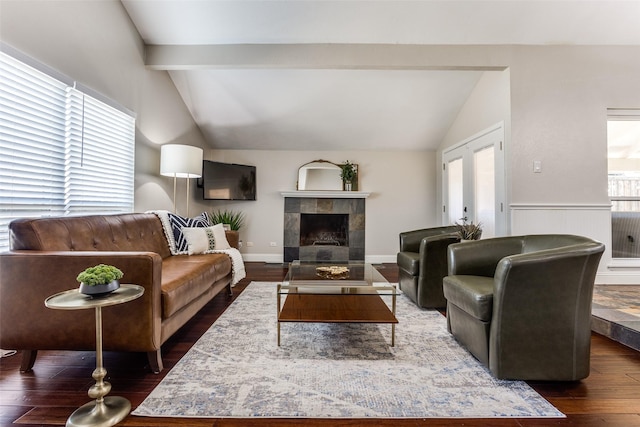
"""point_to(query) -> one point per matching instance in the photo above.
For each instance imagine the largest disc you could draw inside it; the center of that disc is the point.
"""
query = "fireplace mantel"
(324, 194)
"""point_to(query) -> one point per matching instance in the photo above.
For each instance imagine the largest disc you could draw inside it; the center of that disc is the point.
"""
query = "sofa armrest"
(481, 257)
(27, 278)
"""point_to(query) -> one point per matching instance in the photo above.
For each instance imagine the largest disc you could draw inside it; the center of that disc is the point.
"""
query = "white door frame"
(494, 135)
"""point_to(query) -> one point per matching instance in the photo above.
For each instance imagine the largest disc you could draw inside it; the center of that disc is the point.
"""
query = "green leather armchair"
(522, 304)
(422, 263)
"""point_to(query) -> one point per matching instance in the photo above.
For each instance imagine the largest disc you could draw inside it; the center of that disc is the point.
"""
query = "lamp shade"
(181, 161)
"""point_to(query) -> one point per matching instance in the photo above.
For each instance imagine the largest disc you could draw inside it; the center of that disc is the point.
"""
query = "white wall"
(95, 43)
(402, 186)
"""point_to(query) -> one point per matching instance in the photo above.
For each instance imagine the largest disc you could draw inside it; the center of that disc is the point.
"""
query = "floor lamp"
(180, 161)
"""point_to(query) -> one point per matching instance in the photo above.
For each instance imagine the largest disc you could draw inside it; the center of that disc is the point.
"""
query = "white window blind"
(99, 157)
(56, 157)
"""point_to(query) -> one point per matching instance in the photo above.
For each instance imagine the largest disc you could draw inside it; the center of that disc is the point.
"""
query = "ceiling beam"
(326, 56)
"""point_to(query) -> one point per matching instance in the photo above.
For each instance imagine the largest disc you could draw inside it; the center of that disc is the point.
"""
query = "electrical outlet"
(249, 244)
(273, 244)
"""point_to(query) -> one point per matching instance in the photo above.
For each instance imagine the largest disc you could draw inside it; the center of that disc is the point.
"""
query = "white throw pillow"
(202, 240)
(199, 239)
(221, 237)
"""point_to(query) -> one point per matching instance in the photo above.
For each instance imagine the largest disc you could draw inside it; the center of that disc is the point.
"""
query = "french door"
(473, 182)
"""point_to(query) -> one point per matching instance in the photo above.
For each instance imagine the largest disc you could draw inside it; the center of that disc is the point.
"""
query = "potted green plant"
(348, 174)
(468, 230)
(99, 280)
(234, 219)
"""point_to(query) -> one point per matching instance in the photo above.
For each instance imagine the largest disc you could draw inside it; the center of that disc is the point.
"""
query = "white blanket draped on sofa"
(174, 225)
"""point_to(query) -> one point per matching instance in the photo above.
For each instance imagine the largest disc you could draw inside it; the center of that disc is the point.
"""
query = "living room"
(552, 100)
(553, 110)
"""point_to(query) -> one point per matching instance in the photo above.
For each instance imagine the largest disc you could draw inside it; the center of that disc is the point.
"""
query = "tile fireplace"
(324, 228)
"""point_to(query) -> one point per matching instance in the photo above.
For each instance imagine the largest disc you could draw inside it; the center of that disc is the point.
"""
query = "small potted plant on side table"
(99, 280)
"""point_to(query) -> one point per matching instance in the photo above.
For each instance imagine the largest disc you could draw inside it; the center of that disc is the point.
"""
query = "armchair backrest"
(539, 242)
(481, 257)
(410, 240)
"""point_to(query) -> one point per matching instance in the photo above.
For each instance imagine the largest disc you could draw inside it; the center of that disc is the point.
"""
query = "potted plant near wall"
(234, 219)
(99, 280)
(468, 230)
(348, 174)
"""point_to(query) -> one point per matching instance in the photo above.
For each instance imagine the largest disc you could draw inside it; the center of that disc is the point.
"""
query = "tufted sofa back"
(121, 232)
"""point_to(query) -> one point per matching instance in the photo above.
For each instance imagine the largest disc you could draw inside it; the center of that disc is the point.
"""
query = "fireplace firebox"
(324, 229)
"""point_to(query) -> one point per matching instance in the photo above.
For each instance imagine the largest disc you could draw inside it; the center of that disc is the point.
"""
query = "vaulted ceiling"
(311, 108)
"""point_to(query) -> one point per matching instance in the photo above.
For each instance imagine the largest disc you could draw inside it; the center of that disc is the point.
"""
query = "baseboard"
(380, 259)
(268, 258)
(618, 278)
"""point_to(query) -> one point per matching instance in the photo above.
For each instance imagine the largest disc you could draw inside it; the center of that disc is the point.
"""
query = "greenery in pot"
(101, 274)
(348, 172)
(235, 219)
(468, 230)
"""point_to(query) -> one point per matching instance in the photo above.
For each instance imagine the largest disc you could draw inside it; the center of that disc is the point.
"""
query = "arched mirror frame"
(328, 183)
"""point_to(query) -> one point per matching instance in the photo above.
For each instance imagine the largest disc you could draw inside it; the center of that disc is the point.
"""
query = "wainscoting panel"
(592, 220)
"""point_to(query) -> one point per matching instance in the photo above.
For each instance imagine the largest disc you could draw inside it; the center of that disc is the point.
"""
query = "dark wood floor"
(59, 382)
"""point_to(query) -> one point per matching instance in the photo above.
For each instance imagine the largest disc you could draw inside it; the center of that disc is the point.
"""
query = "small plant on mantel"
(348, 172)
(235, 219)
(468, 230)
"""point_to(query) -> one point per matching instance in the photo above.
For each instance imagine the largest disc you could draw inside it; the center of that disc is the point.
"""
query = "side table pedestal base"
(109, 412)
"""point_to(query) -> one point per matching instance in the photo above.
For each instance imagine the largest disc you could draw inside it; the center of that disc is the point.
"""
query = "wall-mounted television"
(228, 181)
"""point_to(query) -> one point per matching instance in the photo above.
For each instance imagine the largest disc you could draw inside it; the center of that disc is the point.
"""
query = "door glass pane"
(623, 137)
(455, 202)
(484, 186)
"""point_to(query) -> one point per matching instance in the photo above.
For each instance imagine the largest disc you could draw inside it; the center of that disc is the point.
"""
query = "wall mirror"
(319, 175)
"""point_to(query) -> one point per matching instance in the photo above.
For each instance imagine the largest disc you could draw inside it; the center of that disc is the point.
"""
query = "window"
(62, 152)
(623, 138)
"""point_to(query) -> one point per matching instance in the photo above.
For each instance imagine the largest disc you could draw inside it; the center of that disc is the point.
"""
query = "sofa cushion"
(409, 262)
(473, 294)
(178, 223)
(173, 224)
(220, 236)
(185, 277)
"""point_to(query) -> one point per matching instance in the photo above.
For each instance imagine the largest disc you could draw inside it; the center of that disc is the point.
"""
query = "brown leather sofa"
(48, 253)
(422, 263)
(522, 304)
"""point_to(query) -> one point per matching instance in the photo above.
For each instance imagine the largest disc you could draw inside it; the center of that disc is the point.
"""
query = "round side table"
(104, 411)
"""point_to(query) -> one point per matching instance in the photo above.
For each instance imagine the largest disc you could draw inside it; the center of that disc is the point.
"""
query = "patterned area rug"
(333, 370)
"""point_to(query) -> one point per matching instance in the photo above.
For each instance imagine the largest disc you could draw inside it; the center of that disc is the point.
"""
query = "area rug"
(236, 369)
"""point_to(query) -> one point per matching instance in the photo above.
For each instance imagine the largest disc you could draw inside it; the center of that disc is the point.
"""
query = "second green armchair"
(422, 263)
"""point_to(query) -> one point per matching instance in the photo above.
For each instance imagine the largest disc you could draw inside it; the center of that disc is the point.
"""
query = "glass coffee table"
(350, 292)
